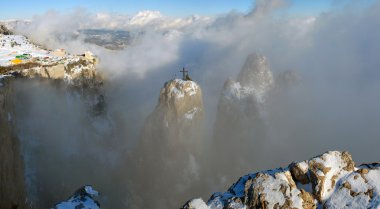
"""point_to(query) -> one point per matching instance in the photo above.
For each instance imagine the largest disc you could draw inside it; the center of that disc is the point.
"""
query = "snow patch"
(198, 204)
(238, 92)
(181, 88)
(83, 198)
(190, 114)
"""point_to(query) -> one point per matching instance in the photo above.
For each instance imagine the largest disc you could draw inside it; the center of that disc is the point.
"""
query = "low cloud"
(335, 54)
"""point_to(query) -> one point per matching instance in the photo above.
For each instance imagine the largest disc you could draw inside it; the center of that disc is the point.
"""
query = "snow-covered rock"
(330, 180)
(182, 98)
(83, 198)
(358, 189)
(18, 55)
(179, 110)
(325, 171)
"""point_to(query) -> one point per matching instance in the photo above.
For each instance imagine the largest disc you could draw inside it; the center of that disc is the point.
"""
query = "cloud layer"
(335, 54)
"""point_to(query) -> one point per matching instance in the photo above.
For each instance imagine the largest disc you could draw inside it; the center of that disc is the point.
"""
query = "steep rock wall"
(12, 186)
(76, 73)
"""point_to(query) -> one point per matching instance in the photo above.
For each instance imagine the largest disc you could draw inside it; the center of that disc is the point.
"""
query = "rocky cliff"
(330, 180)
(12, 187)
(21, 59)
(169, 147)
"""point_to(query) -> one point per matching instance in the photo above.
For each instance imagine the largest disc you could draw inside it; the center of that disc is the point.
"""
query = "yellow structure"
(16, 61)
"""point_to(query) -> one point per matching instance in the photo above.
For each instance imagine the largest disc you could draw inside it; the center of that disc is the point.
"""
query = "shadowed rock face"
(330, 180)
(12, 187)
(169, 148)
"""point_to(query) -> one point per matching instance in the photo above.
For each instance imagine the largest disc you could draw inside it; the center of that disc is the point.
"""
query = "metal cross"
(184, 72)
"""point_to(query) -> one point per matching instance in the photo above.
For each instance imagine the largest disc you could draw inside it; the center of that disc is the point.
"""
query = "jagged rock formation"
(169, 149)
(330, 180)
(21, 59)
(83, 198)
(243, 116)
(256, 76)
(240, 121)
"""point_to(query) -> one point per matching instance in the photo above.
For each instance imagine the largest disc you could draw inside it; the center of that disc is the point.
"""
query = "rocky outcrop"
(83, 198)
(330, 180)
(169, 147)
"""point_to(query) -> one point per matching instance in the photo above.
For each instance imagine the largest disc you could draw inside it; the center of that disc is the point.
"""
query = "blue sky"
(22, 9)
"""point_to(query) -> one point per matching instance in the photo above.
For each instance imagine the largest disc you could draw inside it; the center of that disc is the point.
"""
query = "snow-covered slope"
(330, 180)
(83, 198)
(19, 56)
(16, 45)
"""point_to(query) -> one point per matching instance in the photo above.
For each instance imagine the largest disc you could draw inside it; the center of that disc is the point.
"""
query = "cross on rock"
(184, 73)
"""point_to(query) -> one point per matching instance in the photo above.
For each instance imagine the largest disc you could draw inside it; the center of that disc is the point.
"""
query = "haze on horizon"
(332, 46)
(27, 9)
